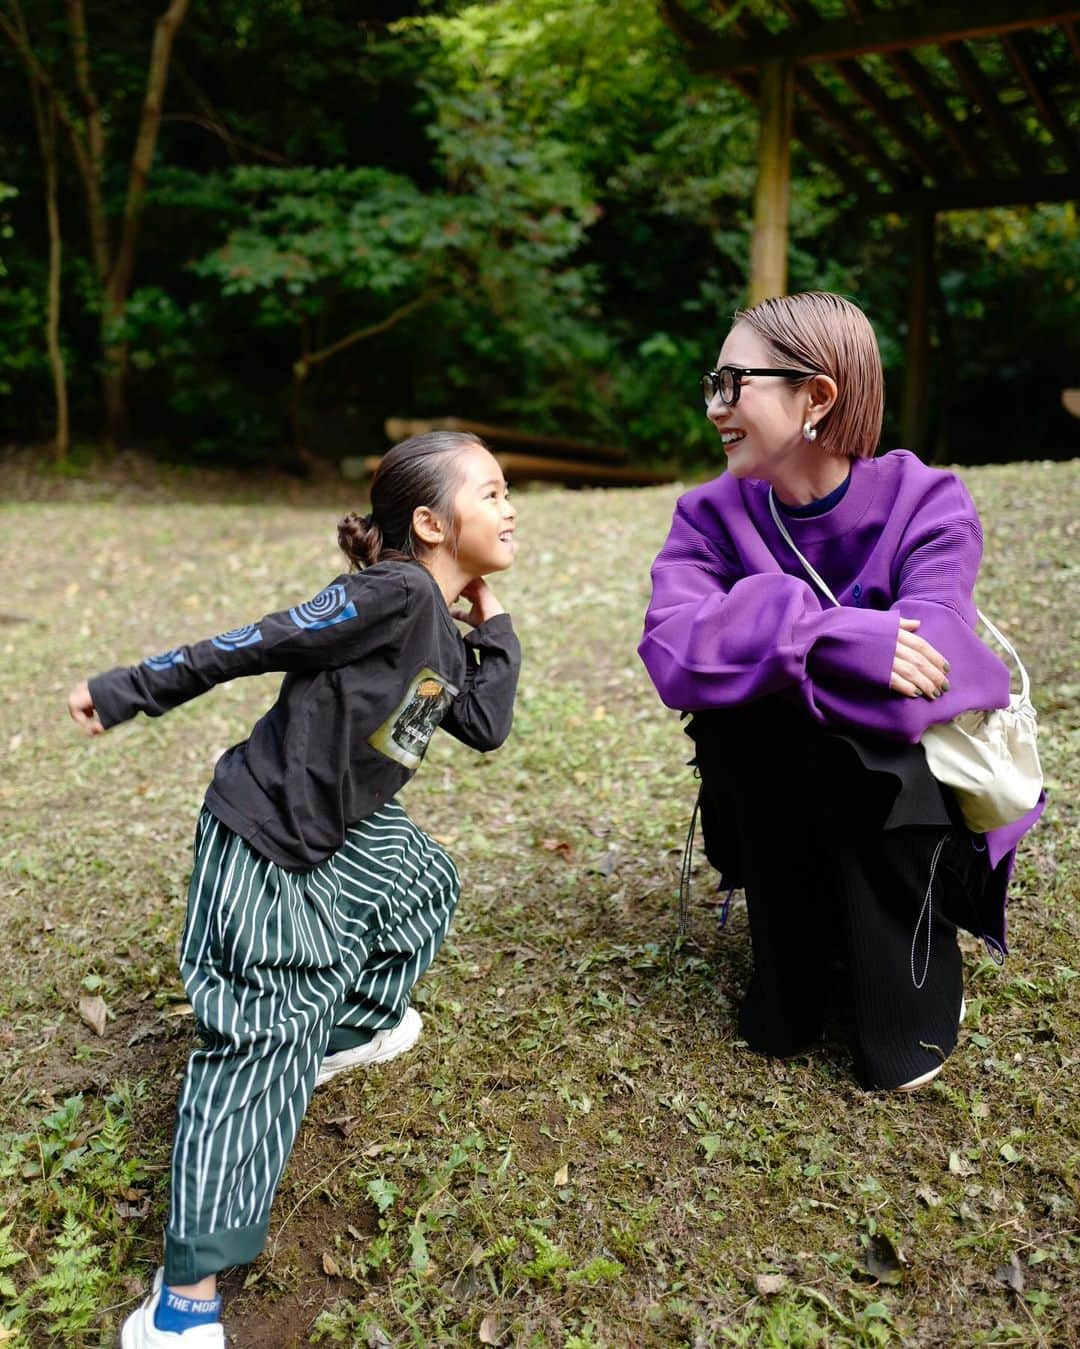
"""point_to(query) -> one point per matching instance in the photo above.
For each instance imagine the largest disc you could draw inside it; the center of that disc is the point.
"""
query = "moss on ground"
(580, 1151)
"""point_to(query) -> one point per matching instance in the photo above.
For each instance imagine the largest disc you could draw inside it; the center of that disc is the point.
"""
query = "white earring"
(809, 430)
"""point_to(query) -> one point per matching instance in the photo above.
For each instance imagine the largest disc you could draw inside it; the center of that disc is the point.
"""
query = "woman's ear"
(427, 526)
(821, 393)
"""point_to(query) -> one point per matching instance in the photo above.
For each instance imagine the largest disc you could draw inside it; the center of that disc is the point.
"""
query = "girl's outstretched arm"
(350, 617)
(82, 710)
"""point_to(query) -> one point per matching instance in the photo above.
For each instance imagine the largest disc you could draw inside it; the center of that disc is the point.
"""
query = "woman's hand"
(918, 670)
(483, 603)
(81, 707)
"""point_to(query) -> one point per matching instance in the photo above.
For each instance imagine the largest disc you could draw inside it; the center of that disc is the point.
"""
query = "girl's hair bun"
(360, 539)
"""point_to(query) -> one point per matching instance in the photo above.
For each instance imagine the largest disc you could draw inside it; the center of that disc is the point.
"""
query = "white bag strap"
(1025, 683)
(791, 544)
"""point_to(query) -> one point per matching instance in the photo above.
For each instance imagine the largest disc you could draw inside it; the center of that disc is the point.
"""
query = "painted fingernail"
(948, 667)
(945, 687)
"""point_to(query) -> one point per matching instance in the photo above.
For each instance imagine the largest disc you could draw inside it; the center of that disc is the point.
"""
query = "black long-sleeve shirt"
(374, 663)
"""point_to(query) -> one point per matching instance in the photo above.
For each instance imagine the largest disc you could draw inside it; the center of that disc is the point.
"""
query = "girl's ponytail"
(360, 539)
(420, 471)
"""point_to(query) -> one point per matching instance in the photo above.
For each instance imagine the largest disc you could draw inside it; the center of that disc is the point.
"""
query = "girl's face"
(762, 432)
(483, 514)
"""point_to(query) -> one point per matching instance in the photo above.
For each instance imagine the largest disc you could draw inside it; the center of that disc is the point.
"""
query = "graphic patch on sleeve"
(166, 660)
(235, 638)
(329, 606)
(406, 733)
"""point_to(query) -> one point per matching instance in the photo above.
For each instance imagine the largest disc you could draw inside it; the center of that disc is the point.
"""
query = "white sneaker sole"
(917, 1082)
(387, 1045)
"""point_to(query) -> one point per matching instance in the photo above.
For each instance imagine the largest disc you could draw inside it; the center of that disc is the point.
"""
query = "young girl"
(815, 793)
(315, 904)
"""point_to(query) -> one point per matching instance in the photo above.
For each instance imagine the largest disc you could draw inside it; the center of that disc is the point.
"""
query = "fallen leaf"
(562, 1176)
(345, 1124)
(377, 1338)
(1011, 1275)
(559, 845)
(881, 1261)
(180, 1009)
(490, 1330)
(331, 1266)
(604, 866)
(958, 1165)
(769, 1284)
(930, 1197)
(127, 1211)
(94, 1012)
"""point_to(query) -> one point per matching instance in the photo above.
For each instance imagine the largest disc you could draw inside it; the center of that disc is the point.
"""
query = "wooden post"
(772, 194)
(914, 409)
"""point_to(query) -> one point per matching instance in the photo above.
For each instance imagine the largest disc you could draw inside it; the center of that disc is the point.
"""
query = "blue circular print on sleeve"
(166, 660)
(236, 638)
(329, 606)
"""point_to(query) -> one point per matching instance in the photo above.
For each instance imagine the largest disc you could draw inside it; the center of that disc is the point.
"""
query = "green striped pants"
(276, 965)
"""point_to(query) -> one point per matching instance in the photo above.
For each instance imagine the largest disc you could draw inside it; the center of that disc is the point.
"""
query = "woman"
(816, 797)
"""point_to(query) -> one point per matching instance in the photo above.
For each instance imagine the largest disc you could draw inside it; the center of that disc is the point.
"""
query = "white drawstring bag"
(988, 760)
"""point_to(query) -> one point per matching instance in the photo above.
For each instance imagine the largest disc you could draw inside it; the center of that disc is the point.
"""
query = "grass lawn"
(580, 1151)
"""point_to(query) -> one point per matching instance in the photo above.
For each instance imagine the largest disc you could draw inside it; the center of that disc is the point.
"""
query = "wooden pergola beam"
(818, 147)
(691, 31)
(979, 89)
(972, 196)
(864, 88)
(844, 124)
(871, 95)
(1022, 58)
(1074, 39)
(772, 193)
(895, 30)
(832, 113)
(914, 395)
(933, 101)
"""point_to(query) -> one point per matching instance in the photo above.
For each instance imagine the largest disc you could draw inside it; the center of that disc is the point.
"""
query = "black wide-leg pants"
(837, 840)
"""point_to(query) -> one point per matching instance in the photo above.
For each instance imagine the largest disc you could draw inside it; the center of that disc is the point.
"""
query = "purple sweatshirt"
(734, 617)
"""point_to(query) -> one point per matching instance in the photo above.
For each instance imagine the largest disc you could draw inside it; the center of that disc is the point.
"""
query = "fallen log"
(520, 468)
(502, 437)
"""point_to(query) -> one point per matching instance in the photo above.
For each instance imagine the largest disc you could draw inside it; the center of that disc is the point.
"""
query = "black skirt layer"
(866, 783)
(848, 852)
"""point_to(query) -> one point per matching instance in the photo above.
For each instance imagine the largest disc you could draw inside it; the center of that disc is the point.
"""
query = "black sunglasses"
(727, 381)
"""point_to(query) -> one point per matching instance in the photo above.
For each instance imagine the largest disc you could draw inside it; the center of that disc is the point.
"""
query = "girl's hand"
(81, 707)
(918, 670)
(482, 599)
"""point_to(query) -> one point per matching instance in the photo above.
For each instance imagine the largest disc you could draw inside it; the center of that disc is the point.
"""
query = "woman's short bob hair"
(829, 335)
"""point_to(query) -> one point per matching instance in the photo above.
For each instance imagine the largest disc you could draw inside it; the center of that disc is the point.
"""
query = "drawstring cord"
(687, 863)
(928, 909)
(686, 872)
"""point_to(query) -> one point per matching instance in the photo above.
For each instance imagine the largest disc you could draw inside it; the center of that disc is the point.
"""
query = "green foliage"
(70, 1289)
(533, 210)
(69, 1173)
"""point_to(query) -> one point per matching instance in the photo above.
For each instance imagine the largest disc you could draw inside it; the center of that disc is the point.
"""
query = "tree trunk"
(47, 135)
(118, 285)
(87, 137)
(45, 116)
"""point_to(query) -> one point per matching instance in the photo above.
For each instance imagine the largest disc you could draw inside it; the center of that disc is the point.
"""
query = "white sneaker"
(387, 1044)
(922, 1080)
(139, 1331)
